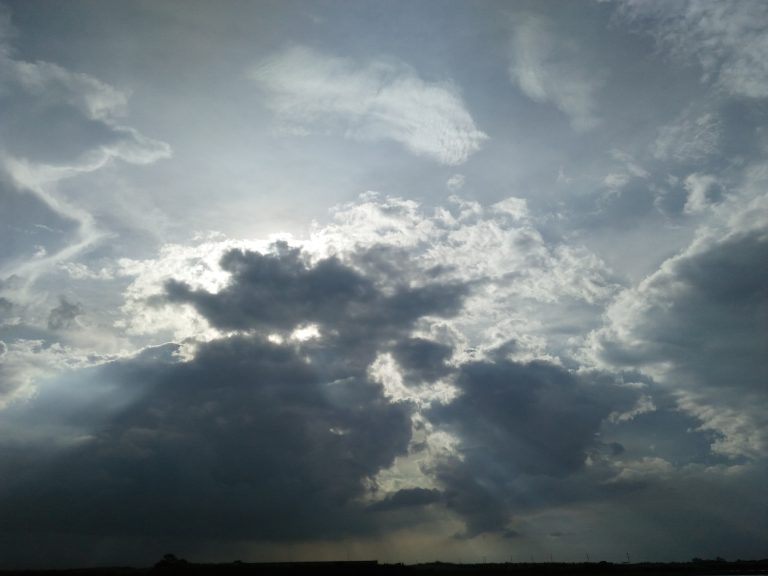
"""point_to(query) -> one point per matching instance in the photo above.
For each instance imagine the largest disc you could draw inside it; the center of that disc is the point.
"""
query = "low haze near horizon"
(406, 281)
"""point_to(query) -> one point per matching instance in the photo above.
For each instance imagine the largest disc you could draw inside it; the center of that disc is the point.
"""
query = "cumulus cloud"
(697, 324)
(549, 68)
(252, 436)
(280, 291)
(727, 39)
(242, 441)
(424, 377)
(422, 360)
(518, 425)
(394, 298)
(390, 242)
(376, 100)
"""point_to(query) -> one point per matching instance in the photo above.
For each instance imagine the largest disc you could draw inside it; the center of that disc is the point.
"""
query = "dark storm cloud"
(246, 440)
(422, 360)
(249, 439)
(665, 432)
(537, 415)
(706, 314)
(64, 315)
(518, 422)
(407, 498)
(280, 291)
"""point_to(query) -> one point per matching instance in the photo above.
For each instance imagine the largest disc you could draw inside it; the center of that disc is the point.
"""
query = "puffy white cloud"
(517, 286)
(376, 100)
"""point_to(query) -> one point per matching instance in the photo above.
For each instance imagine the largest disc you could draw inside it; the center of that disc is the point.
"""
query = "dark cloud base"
(253, 440)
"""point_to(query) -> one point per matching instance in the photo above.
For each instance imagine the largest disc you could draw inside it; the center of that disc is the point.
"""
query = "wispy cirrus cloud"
(550, 69)
(57, 124)
(727, 39)
(375, 100)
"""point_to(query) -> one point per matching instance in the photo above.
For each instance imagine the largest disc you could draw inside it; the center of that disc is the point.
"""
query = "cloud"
(29, 361)
(697, 324)
(517, 425)
(406, 498)
(455, 182)
(727, 39)
(703, 191)
(64, 315)
(258, 424)
(81, 119)
(549, 68)
(239, 442)
(378, 100)
(58, 124)
(280, 291)
(422, 360)
(691, 137)
(252, 436)
(527, 288)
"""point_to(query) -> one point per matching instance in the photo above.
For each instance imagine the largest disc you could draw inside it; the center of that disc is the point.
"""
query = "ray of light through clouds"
(406, 281)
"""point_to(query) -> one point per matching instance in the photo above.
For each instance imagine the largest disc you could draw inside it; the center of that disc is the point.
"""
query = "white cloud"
(52, 83)
(550, 69)
(519, 279)
(377, 100)
(83, 133)
(616, 181)
(727, 39)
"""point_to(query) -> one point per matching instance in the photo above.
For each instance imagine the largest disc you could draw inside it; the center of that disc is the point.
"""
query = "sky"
(406, 281)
